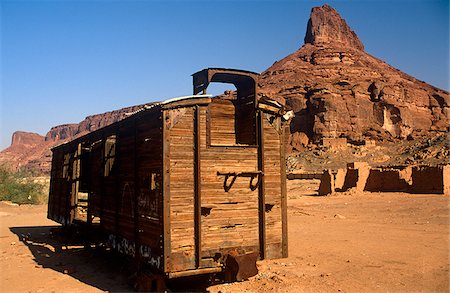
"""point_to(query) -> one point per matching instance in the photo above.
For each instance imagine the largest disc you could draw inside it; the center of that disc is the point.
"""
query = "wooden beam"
(284, 226)
(102, 182)
(166, 190)
(186, 103)
(137, 242)
(117, 195)
(261, 190)
(187, 273)
(197, 187)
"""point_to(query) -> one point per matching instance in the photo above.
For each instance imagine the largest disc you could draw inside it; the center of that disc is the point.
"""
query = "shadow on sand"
(68, 253)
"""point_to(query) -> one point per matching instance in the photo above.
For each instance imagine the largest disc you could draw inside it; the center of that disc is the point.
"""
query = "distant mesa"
(335, 88)
(25, 139)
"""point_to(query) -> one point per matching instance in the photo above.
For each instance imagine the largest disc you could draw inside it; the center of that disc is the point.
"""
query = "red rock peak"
(326, 26)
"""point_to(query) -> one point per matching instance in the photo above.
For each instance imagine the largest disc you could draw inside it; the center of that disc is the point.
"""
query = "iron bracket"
(233, 175)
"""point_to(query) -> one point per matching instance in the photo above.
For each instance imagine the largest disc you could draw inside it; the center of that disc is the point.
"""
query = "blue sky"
(64, 60)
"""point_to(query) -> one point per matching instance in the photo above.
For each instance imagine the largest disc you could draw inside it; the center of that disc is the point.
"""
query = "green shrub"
(18, 187)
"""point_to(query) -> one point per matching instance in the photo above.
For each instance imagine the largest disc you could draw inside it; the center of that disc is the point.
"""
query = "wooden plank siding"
(224, 228)
(221, 126)
(149, 183)
(181, 170)
(127, 202)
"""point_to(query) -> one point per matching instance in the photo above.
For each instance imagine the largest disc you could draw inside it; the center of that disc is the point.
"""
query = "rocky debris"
(429, 150)
(297, 142)
(339, 216)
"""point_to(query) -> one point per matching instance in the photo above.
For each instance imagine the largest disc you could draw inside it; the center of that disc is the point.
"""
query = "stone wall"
(385, 180)
(428, 179)
(412, 179)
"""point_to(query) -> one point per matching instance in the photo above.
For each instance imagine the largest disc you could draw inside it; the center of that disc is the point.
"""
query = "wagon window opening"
(245, 122)
(110, 154)
(76, 168)
(66, 164)
(154, 181)
(222, 90)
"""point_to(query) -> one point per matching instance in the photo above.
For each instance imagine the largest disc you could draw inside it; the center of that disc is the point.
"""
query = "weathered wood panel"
(272, 170)
(149, 183)
(230, 219)
(127, 199)
(181, 168)
(221, 126)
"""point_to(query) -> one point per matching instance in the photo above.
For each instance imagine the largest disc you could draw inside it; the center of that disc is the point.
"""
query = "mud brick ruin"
(410, 179)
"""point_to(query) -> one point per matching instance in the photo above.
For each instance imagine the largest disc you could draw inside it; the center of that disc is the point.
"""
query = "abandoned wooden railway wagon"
(184, 184)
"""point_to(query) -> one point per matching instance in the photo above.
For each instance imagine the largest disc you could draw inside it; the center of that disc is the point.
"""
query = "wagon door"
(230, 196)
(230, 182)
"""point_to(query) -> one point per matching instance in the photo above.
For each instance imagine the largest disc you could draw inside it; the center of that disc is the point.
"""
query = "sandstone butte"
(334, 87)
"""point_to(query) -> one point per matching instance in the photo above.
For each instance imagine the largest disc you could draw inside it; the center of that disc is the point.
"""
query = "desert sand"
(346, 242)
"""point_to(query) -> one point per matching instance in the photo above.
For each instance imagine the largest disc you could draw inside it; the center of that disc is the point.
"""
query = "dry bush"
(18, 187)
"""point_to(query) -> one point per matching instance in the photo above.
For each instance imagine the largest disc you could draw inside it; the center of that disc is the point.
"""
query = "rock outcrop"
(337, 89)
(326, 26)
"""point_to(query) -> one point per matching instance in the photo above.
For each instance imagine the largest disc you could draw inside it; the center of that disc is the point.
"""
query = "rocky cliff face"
(90, 123)
(62, 132)
(336, 89)
(32, 151)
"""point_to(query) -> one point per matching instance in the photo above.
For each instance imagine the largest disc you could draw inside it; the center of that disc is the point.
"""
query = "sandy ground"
(349, 242)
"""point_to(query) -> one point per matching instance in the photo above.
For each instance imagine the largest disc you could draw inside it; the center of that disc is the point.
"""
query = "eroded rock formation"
(337, 89)
(326, 26)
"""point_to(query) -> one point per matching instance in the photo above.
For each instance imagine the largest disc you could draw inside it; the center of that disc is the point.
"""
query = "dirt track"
(350, 242)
